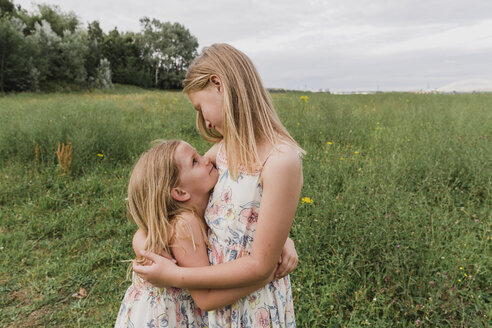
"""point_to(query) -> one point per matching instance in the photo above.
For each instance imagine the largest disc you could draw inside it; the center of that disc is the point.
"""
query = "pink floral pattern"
(147, 306)
(232, 215)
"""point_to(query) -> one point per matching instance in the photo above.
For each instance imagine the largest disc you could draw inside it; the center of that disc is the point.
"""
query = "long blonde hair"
(150, 204)
(249, 117)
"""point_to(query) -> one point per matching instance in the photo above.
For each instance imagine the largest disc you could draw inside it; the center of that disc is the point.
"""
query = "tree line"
(50, 50)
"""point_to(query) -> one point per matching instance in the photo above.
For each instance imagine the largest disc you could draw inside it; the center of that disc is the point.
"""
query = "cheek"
(218, 108)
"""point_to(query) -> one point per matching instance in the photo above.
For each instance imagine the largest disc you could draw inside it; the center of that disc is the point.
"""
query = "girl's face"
(209, 101)
(197, 175)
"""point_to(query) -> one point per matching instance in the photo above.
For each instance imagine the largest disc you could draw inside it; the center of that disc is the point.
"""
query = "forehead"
(183, 151)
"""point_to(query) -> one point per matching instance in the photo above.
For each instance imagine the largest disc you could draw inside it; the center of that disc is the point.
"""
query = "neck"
(199, 203)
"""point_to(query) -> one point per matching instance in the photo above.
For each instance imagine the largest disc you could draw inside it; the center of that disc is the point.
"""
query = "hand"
(288, 260)
(162, 272)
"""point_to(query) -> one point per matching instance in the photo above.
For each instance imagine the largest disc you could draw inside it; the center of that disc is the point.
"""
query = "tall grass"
(397, 234)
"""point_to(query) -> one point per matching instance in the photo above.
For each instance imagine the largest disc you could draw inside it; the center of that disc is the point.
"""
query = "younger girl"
(167, 195)
(258, 162)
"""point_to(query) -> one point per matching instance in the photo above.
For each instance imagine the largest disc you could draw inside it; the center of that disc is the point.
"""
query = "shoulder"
(285, 160)
(284, 157)
(189, 227)
(189, 239)
(213, 151)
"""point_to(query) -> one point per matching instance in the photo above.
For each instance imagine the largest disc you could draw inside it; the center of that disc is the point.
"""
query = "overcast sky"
(339, 45)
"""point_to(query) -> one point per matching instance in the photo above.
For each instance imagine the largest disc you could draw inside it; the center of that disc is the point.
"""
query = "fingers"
(280, 271)
(157, 257)
(150, 256)
(286, 268)
(141, 270)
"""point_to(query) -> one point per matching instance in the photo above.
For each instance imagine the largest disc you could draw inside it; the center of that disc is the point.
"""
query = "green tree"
(59, 21)
(59, 60)
(127, 64)
(49, 50)
(15, 50)
(95, 43)
(169, 49)
(74, 51)
(6, 8)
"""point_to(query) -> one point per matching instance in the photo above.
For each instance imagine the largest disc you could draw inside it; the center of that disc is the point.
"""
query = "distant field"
(393, 231)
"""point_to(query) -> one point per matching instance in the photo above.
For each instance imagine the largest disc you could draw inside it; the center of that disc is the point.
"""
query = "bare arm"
(278, 206)
(189, 254)
(190, 250)
(138, 243)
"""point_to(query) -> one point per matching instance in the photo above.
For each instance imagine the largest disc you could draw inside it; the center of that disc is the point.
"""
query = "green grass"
(398, 234)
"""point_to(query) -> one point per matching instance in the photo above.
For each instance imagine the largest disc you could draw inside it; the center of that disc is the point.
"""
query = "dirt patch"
(20, 297)
(34, 319)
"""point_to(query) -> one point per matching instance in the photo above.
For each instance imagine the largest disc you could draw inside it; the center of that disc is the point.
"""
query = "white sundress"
(151, 307)
(231, 214)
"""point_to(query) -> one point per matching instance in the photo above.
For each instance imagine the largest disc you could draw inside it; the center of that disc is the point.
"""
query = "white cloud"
(337, 44)
(443, 37)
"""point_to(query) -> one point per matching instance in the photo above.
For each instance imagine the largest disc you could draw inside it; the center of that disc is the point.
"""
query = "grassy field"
(393, 230)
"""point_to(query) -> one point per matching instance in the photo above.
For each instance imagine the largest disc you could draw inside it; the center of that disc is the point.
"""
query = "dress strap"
(266, 159)
(220, 148)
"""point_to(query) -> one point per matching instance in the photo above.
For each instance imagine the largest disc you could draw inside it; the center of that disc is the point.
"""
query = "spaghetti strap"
(266, 159)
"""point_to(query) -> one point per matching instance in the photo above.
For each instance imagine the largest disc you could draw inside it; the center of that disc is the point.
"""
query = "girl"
(257, 161)
(167, 195)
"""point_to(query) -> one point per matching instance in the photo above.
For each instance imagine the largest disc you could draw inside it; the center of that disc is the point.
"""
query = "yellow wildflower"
(100, 155)
(306, 200)
(303, 99)
(356, 152)
(329, 143)
(341, 158)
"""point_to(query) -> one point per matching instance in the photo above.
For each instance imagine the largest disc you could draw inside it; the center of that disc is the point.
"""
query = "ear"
(216, 82)
(180, 195)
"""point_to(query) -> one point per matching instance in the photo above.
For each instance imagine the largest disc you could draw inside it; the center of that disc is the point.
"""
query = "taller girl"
(258, 161)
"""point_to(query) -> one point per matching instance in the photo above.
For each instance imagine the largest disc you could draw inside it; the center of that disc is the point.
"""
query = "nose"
(206, 160)
(208, 124)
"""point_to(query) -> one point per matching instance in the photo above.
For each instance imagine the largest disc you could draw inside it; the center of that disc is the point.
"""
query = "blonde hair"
(150, 204)
(249, 117)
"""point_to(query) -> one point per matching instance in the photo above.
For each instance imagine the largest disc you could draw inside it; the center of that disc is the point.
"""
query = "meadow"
(392, 229)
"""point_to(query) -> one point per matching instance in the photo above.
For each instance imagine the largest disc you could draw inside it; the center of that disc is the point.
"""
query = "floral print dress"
(232, 214)
(147, 306)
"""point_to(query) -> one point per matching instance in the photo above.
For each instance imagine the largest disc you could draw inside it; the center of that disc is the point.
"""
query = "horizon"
(343, 46)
